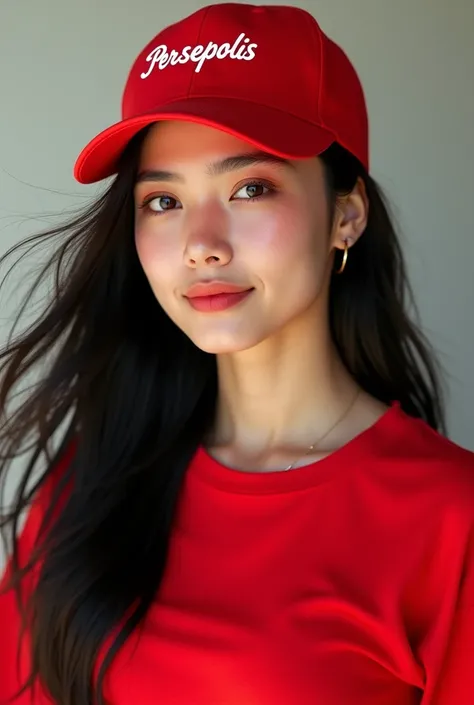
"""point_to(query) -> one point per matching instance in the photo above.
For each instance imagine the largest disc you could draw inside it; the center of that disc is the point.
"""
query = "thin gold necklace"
(339, 420)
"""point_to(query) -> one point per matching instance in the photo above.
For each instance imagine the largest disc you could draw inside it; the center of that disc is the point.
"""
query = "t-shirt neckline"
(208, 469)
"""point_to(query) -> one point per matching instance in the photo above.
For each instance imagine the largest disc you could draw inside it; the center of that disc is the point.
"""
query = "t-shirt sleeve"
(14, 655)
(15, 660)
(455, 682)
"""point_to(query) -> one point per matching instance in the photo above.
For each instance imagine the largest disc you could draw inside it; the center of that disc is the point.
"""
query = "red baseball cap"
(266, 74)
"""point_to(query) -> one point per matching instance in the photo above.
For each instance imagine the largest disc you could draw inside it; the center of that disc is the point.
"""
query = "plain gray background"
(62, 69)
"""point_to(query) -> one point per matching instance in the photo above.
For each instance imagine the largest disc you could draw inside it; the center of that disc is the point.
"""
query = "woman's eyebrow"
(222, 166)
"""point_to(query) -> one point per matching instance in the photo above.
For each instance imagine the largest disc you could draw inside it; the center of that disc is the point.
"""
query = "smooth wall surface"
(62, 68)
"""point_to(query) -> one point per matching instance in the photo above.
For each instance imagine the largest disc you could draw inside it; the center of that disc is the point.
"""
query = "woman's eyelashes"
(156, 204)
(251, 191)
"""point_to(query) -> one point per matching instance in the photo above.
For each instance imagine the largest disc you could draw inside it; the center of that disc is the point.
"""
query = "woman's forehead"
(174, 144)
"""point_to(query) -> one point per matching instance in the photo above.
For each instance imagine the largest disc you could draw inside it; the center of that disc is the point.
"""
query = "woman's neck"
(282, 394)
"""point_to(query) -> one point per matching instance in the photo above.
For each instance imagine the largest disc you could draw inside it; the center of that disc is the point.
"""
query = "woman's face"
(210, 208)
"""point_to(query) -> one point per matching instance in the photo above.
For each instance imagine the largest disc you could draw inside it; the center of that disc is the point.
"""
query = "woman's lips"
(210, 296)
(218, 302)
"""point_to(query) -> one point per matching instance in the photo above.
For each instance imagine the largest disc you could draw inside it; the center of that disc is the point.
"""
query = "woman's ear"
(350, 217)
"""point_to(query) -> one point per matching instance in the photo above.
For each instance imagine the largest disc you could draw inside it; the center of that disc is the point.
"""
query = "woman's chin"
(224, 342)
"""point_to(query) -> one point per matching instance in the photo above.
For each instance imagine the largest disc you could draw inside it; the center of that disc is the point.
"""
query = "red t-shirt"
(346, 582)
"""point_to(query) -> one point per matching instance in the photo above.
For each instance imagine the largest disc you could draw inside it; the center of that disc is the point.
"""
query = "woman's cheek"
(281, 235)
(155, 250)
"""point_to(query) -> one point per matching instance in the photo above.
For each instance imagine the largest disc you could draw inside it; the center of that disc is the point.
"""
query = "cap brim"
(266, 128)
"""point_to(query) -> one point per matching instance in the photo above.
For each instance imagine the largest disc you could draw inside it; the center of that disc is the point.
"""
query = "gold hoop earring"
(344, 258)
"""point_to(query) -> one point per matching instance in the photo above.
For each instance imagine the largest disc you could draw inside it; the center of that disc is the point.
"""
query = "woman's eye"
(251, 191)
(160, 204)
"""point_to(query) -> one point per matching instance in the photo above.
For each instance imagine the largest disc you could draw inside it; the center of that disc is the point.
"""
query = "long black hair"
(133, 398)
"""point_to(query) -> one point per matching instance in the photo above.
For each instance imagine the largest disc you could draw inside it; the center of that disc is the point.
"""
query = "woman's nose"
(207, 241)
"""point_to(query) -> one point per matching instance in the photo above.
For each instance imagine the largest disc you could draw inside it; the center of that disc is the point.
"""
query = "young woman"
(237, 491)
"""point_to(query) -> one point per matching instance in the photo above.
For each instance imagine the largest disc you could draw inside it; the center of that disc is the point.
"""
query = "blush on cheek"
(287, 234)
(161, 262)
(153, 251)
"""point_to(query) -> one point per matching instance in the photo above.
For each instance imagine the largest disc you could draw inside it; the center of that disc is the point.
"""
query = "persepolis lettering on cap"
(160, 57)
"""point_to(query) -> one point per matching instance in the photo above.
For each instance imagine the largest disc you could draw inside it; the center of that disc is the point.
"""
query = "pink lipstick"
(209, 297)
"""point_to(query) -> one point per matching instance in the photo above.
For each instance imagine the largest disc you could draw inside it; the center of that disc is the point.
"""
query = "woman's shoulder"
(413, 455)
(428, 442)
